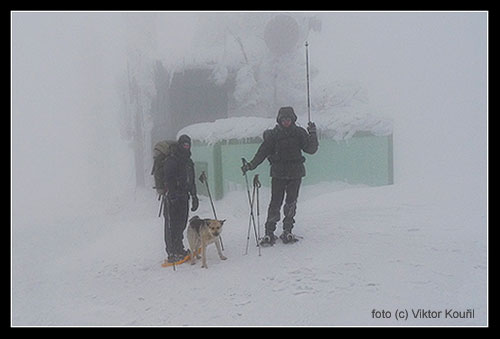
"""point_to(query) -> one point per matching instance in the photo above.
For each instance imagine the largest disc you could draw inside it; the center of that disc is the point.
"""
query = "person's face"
(286, 122)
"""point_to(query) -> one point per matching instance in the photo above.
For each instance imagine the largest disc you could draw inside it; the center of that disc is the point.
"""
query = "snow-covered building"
(241, 69)
(353, 149)
(240, 64)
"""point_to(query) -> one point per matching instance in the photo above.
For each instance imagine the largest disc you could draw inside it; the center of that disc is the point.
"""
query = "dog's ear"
(206, 221)
(222, 222)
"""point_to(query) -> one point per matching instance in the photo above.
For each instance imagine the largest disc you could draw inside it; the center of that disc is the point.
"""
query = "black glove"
(194, 203)
(246, 167)
(311, 127)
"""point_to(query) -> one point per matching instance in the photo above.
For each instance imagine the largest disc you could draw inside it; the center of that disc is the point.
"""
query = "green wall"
(206, 158)
(231, 165)
(362, 159)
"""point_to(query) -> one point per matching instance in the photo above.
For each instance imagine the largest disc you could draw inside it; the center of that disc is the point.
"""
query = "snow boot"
(182, 254)
(176, 259)
(268, 240)
(172, 258)
(288, 237)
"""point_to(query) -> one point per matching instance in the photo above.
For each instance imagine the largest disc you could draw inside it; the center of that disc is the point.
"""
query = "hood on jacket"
(184, 146)
(184, 139)
(286, 112)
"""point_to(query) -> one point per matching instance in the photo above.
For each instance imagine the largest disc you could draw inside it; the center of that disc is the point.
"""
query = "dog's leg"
(192, 245)
(219, 250)
(193, 255)
(203, 254)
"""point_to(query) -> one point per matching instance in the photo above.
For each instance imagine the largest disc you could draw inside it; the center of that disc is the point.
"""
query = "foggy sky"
(427, 71)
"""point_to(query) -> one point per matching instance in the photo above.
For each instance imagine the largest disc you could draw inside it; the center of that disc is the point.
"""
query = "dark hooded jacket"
(283, 147)
(179, 171)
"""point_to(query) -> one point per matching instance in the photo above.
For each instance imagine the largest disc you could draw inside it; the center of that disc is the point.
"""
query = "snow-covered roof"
(343, 123)
(226, 129)
(340, 126)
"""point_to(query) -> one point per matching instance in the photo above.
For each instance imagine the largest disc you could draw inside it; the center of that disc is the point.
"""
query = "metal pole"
(257, 184)
(307, 76)
(203, 179)
(250, 202)
(250, 220)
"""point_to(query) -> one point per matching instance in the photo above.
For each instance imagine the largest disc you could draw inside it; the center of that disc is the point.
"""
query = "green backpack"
(161, 151)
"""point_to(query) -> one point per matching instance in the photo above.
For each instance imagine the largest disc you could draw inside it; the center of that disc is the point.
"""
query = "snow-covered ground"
(363, 249)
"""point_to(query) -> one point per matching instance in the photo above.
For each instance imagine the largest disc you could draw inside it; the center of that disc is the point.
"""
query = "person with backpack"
(283, 146)
(180, 186)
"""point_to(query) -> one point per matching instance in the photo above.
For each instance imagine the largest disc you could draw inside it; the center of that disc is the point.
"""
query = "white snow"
(340, 124)
(245, 93)
(226, 129)
(363, 248)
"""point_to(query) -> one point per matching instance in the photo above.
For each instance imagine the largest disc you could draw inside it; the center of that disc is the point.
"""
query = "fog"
(426, 71)
(64, 111)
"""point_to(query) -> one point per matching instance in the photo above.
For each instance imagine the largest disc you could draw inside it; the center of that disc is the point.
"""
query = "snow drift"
(383, 248)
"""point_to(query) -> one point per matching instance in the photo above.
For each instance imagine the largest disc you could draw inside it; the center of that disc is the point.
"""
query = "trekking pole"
(307, 77)
(162, 198)
(250, 220)
(203, 179)
(250, 202)
(257, 184)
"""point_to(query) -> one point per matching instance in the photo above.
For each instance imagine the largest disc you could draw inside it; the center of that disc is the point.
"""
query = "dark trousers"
(278, 189)
(175, 212)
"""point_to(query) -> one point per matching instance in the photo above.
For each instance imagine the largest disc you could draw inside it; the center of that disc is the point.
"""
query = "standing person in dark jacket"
(283, 146)
(180, 182)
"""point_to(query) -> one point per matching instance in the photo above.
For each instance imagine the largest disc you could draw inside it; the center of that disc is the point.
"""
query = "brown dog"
(202, 232)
